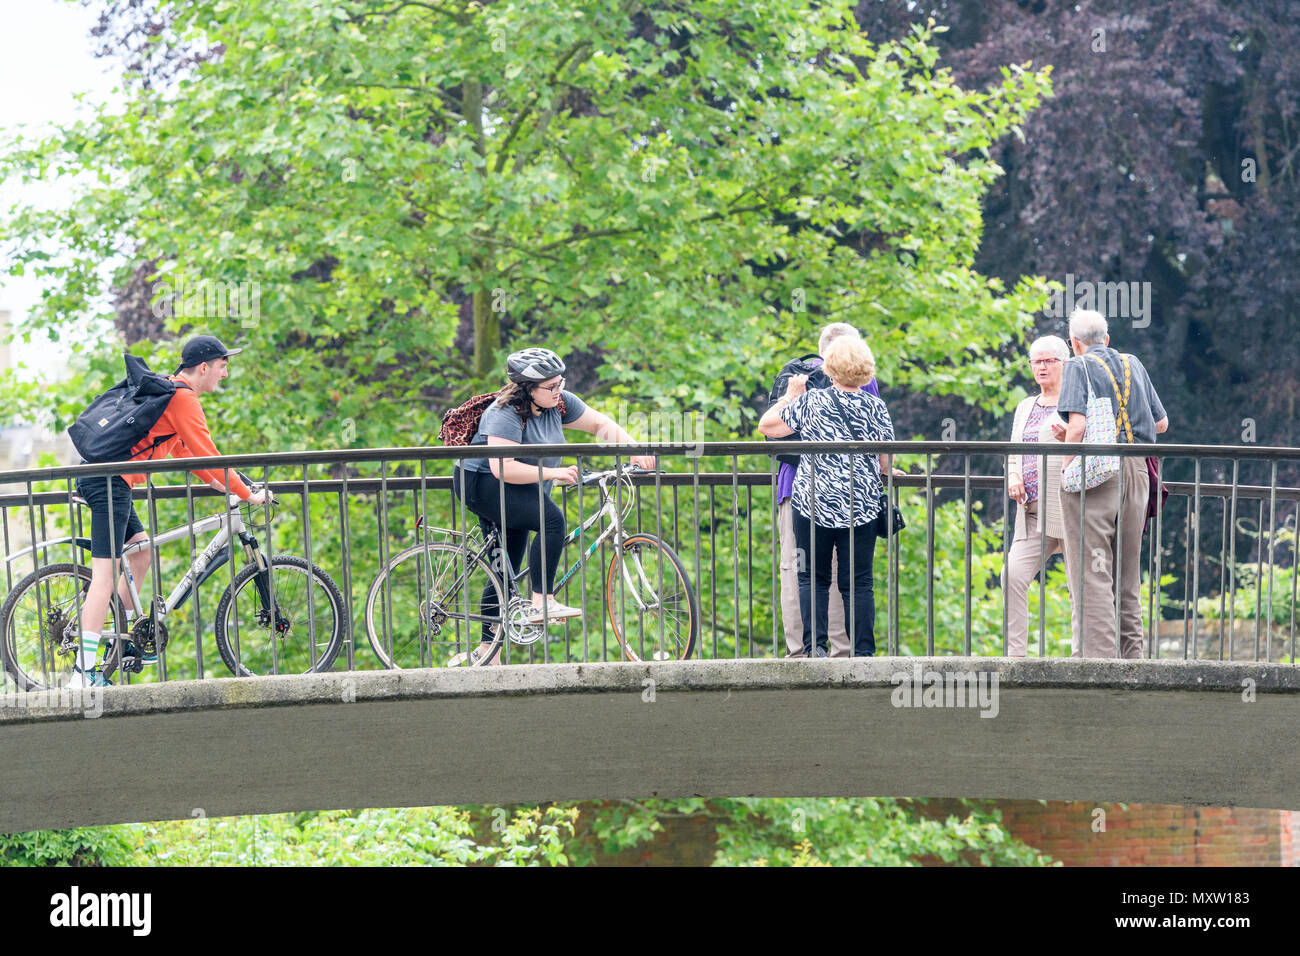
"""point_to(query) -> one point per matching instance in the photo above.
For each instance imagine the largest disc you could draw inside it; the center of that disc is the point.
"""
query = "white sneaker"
(77, 681)
(463, 658)
(554, 610)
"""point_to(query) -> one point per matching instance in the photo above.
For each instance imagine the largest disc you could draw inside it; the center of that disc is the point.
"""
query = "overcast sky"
(45, 60)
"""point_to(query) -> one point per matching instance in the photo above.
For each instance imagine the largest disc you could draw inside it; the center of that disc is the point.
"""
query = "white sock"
(89, 651)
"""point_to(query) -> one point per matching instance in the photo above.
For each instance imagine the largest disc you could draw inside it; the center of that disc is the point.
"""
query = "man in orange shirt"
(182, 432)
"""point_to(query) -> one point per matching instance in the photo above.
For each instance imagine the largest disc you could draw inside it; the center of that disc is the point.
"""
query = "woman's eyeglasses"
(553, 389)
(1043, 363)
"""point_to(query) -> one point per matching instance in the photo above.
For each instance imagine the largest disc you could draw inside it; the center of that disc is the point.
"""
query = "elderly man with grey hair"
(791, 616)
(1103, 525)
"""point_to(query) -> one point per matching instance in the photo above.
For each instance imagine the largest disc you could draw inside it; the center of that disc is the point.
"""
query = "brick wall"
(1134, 835)
(1155, 834)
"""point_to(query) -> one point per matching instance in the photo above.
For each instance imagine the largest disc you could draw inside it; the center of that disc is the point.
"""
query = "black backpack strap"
(156, 442)
(165, 438)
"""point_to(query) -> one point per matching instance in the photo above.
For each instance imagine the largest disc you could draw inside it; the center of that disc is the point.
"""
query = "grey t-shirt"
(1144, 408)
(502, 421)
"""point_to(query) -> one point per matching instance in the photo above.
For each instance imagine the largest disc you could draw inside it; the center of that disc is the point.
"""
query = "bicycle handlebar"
(618, 472)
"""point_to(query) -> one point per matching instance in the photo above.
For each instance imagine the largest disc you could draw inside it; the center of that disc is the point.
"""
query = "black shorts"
(126, 523)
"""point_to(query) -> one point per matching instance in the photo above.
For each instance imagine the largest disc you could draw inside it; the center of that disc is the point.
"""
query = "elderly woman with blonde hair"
(835, 509)
(1034, 483)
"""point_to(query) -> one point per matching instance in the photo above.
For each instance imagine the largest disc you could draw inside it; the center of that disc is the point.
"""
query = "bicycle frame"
(205, 563)
(614, 528)
(608, 509)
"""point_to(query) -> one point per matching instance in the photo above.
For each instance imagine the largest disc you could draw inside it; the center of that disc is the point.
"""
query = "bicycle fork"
(262, 581)
(633, 558)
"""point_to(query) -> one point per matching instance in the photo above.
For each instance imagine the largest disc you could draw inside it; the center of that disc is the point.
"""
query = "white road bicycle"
(284, 616)
(426, 608)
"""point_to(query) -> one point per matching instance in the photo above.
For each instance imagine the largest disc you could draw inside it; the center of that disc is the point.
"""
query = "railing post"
(1259, 575)
(233, 607)
(735, 555)
(345, 536)
(306, 539)
(778, 610)
(929, 561)
(966, 553)
(695, 506)
(1006, 557)
(1272, 537)
(1232, 567)
(1196, 554)
(194, 586)
(270, 578)
(1223, 579)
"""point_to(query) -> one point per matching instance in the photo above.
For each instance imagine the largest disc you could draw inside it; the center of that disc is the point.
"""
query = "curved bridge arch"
(1106, 731)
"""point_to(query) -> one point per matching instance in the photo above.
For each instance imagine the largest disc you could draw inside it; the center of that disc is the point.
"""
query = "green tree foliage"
(863, 832)
(87, 846)
(429, 836)
(678, 192)
(744, 832)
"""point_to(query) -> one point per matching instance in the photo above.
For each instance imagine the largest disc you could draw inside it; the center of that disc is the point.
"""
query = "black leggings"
(857, 589)
(482, 495)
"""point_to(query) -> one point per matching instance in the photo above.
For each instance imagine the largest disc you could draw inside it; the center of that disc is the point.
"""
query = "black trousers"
(481, 492)
(814, 570)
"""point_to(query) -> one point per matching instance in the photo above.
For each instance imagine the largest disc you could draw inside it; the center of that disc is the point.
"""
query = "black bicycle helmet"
(530, 366)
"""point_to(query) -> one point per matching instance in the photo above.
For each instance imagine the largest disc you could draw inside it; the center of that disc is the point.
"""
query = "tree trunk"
(487, 331)
(487, 325)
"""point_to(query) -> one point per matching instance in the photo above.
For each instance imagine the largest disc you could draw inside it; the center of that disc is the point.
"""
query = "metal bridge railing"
(1221, 551)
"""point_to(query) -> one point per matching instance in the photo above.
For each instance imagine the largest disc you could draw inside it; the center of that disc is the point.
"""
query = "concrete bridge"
(1196, 733)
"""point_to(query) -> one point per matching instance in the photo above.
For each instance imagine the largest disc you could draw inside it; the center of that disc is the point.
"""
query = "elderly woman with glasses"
(1034, 483)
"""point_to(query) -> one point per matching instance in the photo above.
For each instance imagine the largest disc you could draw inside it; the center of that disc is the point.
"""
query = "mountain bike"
(426, 608)
(269, 620)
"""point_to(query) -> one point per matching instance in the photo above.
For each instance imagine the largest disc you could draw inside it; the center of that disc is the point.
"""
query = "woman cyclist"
(527, 412)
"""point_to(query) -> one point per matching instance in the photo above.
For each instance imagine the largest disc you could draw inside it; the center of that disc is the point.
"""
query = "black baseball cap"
(204, 348)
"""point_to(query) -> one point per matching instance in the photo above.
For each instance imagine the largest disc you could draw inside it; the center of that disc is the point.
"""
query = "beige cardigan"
(1049, 478)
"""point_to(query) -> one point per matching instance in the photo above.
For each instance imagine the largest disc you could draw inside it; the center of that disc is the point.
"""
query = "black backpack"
(816, 379)
(120, 419)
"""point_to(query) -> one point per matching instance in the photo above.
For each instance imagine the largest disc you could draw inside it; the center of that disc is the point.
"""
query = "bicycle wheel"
(424, 609)
(652, 621)
(302, 592)
(36, 619)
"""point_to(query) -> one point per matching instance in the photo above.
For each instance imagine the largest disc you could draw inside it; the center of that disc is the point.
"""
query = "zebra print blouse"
(817, 416)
